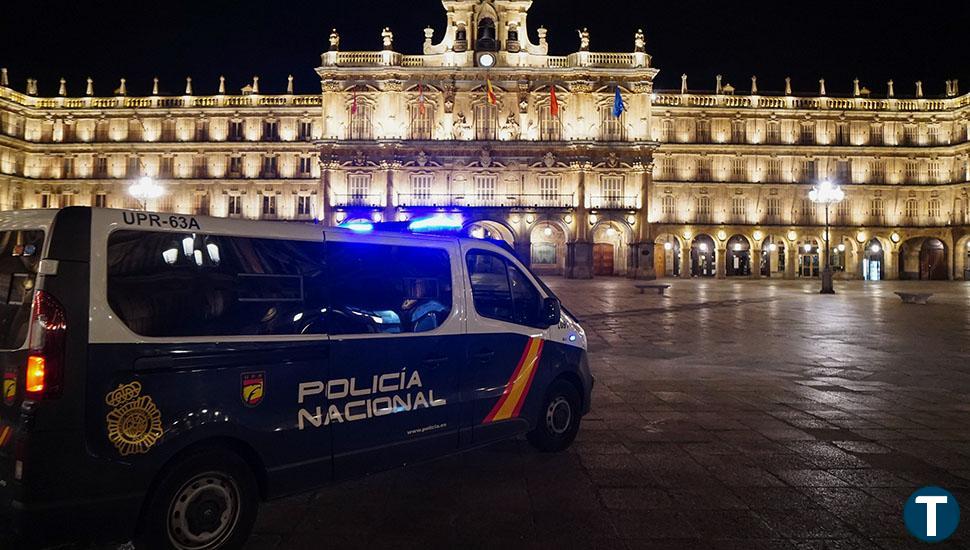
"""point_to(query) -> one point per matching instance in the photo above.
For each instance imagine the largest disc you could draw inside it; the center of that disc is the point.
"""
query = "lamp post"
(826, 194)
(145, 188)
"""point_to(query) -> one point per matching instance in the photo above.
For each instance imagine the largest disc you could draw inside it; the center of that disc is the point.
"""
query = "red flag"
(353, 106)
(553, 102)
(421, 98)
(491, 92)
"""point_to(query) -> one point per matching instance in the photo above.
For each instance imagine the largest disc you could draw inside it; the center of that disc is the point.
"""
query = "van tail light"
(46, 347)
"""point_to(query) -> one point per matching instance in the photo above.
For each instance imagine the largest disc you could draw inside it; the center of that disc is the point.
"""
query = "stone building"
(526, 147)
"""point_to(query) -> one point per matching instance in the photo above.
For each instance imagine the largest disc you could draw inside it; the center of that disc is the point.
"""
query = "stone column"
(756, 263)
(890, 259)
(645, 248)
(523, 248)
(721, 262)
(791, 260)
(326, 211)
(579, 253)
(854, 267)
(389, 209)
(685, 262)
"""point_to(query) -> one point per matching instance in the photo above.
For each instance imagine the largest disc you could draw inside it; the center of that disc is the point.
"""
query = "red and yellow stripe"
(517, 388)
(5, 434)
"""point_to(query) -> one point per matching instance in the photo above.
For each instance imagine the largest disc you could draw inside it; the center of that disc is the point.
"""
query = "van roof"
(43, 218)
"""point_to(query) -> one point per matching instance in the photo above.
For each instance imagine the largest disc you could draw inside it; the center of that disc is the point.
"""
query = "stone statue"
(388, 37)
(639, 41)
(584, 40)
(334, 40)
(460, 129)
(511, 129)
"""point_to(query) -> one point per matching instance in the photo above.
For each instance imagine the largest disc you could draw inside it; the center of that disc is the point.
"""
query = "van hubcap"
(559, 416)
(204, 512)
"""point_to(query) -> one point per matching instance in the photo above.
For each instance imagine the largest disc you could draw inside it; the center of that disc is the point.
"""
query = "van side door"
(397, 351)
(504, 344)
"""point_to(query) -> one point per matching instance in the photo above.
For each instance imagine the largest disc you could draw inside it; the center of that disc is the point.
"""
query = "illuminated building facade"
(680, 184)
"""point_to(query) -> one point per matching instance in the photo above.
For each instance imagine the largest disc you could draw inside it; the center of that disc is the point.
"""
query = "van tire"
(559, 418)
(209, 494)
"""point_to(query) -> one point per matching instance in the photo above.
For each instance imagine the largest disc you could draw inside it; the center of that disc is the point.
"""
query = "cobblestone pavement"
(748, 415)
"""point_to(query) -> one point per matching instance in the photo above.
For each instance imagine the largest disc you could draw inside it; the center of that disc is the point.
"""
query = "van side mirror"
(551, 312)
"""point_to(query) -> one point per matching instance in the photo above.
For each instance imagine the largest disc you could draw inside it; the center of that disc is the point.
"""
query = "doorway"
(603, 259)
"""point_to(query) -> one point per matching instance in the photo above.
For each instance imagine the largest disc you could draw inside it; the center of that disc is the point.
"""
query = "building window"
(236, 130)
(200, 169)
(841, 134)
(843, 172)
(935, 172)
(306, 130)
(668, 207)
(877, 172)
(269, 167)
(303, 206)
(774, 170)
(549, 192)
(361, 122)
(235, 167)
(271, 130)
(612, 128)
(738, 173)
(269, 206)
(704, 169)
(912, 209)
(201, 206)
(485, 187)
(486, 121)
(808, 134)
(611, 192)
(550, 127)
(421, 186)
(876, 210)
(809, 212)
(737, 131)
(422, 121)
(101, 200)
(739, 209)
(306, 166)
(704, 211)
(167, 167)
(933, 133)
(101, 167)
(809, 173)
(910, 135)
(667, 131)
(933, 210)
(912, 171)
(668, 169)
(703, 131)
(842, 212)
(774, 132)
(358, 189)
(774, 210)
(235, 205)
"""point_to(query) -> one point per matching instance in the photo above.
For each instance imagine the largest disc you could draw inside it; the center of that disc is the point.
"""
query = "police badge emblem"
(252, 388)
(9, 387)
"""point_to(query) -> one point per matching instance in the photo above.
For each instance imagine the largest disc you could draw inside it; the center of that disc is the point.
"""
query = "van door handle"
(433, 362)
(485, 355)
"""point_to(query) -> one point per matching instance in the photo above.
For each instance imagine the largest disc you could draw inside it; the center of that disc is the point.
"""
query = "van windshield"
(19, 255)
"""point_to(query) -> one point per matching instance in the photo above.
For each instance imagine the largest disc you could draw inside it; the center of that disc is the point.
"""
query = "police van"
(162, 373)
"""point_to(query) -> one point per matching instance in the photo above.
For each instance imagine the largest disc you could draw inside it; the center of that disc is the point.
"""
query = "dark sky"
(875, 40)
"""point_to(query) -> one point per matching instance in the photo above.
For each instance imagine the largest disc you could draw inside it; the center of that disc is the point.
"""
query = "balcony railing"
(498, 200)
(614, 202)
(353, 199)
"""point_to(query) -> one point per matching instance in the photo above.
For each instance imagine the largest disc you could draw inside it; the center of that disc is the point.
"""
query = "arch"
(490, 229)
(923, 258)
(669, 262)
(874, 260)
(703, 256)
(738, 256)
(773, 256)
(807, 256)
(961, 253)
(548, 252)
(611, 247)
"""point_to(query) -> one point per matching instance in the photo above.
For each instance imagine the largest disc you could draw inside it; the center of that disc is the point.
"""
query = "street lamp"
(826, 194)
(145, 188)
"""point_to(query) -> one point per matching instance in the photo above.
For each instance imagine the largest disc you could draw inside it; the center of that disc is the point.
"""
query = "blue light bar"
(436, 223)
(360, 226)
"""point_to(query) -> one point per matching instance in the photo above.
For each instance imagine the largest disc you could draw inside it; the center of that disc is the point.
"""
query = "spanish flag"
(553, 102)
(491, 92)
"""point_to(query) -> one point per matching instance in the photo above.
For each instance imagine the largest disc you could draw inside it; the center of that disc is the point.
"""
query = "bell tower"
(488, 28)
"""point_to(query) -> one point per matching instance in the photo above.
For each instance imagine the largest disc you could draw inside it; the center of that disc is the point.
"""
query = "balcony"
(356, 199)
(613, 202)
(473, 200)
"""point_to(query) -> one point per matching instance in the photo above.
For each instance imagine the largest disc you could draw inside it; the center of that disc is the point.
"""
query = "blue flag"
(618, 106)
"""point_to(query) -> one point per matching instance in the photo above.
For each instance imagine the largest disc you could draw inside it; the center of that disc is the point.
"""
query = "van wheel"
(559, 421)
(207, 501)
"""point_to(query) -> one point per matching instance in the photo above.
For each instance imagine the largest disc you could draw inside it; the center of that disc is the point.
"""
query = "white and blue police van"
(163, 374)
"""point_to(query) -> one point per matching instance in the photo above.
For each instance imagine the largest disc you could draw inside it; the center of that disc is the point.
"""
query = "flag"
(353, 106)
(421, 98)
(553, 102)
(491, 92)
(618, 106)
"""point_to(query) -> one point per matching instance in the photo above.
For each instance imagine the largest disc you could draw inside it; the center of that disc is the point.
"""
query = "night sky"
(837, 40)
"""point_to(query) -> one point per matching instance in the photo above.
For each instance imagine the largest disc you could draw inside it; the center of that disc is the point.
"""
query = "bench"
(661, 289)
(914, 297)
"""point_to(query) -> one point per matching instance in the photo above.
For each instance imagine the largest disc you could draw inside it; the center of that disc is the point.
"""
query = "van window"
(192, 284)
(19, 255)
(501, 290)
(379, 288)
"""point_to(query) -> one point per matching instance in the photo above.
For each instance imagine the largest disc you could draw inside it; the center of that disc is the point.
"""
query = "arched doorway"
(609, 240)
(808, 258)
(703, 257)
(772, 258)
(873, 261)
(548, 248)
(924, 259)
(671, 255)
(738, 257)
(962, 252)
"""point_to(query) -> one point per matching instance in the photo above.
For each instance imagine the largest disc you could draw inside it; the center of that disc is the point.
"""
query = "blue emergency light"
(440, 224)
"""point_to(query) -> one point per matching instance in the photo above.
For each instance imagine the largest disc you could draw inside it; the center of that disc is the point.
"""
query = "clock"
(486, 59)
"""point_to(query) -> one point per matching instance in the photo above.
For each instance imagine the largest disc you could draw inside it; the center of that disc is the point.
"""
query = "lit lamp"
(826, 194)
(145, 188)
